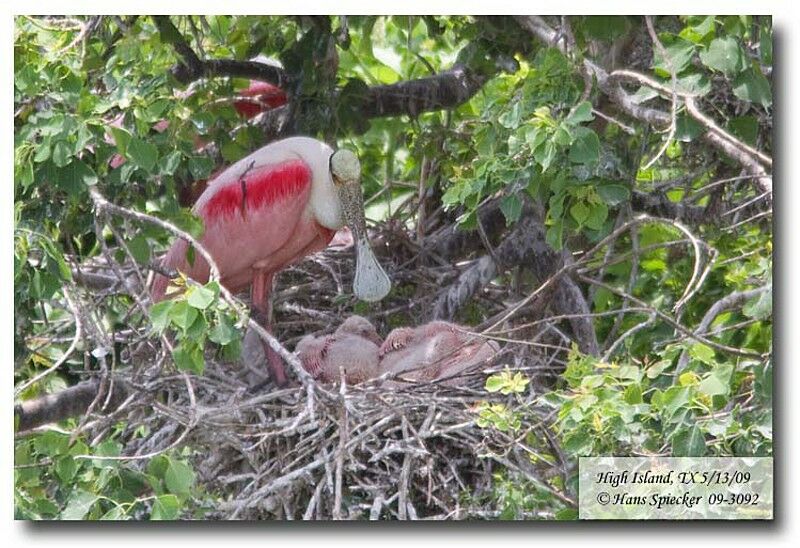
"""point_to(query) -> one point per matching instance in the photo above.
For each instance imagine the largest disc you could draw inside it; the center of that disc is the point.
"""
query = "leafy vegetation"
(614, 173)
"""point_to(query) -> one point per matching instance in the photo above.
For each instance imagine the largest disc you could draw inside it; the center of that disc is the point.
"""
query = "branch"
(193, 68)
(658, 204)
(67, 403)
(525, 245)
(732, 300)
(609, 85)
(448, 89)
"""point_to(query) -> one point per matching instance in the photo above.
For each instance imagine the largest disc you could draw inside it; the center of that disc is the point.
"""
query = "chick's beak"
(371, 282)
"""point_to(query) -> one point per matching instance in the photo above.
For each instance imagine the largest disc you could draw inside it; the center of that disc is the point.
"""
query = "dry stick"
(636, 328)
(747, 203)
(337, 493)
(665, 317)
(722, 140)
(748, 220)
(674, 102)
(643, 218)
(691, 107)
(727, 302)
(73, 345)
(626, 128)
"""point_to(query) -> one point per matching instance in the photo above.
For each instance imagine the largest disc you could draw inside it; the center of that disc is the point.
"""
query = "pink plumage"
(269, 210)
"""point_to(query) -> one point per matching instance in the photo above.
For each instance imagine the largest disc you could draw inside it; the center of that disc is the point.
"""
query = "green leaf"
(633, 394)
(76, 177)
(763, 381)
(200, 166)
(579, 443)
(169, 164)
(78, 505)
(142, 153)
(597, 216)
(765, 44)
(51, 444)
(581, 113)
(160, 315)
(702, 353)
(586, 147)
(200, 297)
(511, 206)
(510, 119)
(745, 127)
(700, 32)
(188, 356)
(674, 399)
(494, 383)
(713, 386)
(759, 307)
(567, 514)
(222, 333)
(752, 86)
(580, 212)
(121, 138)
(694, 83)
(717, 383)
(535, 136)
(555, 233)
(687, 128)
(679, 52)
(179, 478)
(140, 249)
(606, 27)
(62, 153)
(613, 194)
(166, 507)
(724, 55)
(545, 155)
(183, 315)
(688, 442)
(66, 467)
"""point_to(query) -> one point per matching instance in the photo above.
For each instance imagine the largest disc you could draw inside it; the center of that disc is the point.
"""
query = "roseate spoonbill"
(270, 209)
(259, 97)
(436, 350)
(353, 346)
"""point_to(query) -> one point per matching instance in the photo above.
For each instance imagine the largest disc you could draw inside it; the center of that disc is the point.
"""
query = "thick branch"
(527, 246)
(71, 402)
(447, 89)
(193, 68)
(659, 205)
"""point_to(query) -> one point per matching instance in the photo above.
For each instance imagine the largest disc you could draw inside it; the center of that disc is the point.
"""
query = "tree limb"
(70, 402)
(610, 86)
(193, 68)
(525, 245)
(447, 89)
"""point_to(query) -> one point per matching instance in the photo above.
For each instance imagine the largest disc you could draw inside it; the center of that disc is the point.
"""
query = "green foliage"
(57, 477)
(108, 113)
(615, 409)
(195, 316)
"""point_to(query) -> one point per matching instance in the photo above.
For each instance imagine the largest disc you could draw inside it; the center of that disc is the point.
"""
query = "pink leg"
(262, 306)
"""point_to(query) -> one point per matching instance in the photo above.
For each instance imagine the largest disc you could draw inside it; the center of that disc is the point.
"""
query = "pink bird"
(271, 209)
(352, 347)
(259, 97)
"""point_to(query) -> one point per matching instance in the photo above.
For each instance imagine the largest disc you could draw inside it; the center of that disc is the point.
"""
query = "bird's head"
(371, 282)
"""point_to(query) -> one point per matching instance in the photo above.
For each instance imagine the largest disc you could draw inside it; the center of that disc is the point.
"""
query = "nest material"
(329, 451)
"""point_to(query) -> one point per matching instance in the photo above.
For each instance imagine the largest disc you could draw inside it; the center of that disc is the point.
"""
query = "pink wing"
(254, 216)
